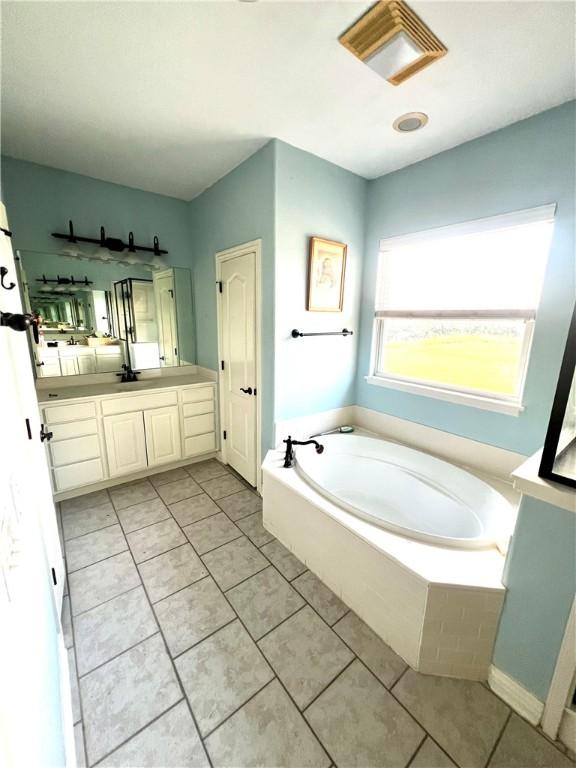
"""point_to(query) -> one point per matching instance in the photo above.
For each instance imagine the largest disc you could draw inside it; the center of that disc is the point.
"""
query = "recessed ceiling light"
(411, 121)
(393, 41)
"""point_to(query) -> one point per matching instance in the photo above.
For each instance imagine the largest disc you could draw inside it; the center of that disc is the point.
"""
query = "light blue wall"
(314, 197)
(40, 200)
(237, 209)
(524, 165)
(541, 580)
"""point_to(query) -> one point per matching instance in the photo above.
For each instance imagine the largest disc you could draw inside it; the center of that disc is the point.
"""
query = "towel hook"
(3, 273)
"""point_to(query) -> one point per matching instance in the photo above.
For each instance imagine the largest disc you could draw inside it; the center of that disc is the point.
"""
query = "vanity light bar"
(392, 40)
(114, 244)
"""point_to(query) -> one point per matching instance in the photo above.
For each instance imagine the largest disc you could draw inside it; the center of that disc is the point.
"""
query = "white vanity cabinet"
(162, 427)
(124, 434)
(125, 443)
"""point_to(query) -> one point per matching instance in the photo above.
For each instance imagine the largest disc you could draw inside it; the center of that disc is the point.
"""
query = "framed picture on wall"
(326, 269)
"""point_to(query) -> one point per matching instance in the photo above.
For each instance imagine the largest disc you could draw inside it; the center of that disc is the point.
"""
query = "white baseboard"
(515, 695)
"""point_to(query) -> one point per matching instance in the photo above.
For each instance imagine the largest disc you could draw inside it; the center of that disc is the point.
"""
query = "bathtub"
(403, 538)
(406, 491)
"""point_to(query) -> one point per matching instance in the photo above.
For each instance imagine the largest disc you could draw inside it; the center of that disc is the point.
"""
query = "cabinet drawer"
(201, 444)
(75, 475)
(133, 402)
(72, 412)
(194, 409)
(74, 429)
(197, 394)
(198, 425)
(75, 450)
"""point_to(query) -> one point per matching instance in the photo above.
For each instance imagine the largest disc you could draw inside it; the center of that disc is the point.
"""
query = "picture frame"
(326, 274)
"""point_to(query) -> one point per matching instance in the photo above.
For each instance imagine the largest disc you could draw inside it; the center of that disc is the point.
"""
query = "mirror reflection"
(96, 316)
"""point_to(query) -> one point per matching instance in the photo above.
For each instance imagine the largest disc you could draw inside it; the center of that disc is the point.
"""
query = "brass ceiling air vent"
(393, 41)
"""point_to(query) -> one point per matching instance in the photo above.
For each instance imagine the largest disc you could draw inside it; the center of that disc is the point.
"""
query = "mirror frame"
(559, 407)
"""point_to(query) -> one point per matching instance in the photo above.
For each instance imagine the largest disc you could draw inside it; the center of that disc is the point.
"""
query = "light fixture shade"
(393, 41)
(399, 52)
(131, 257)
(158, 263)
(101, 254)
(73, 251)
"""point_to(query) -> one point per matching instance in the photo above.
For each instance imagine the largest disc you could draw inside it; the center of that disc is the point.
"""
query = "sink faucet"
(128, 374)
(289, 457)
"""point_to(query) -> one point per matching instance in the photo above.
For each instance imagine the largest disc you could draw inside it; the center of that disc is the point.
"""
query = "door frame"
(254, 246)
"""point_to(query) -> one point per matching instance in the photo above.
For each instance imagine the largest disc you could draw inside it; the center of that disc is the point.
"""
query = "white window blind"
(455, 306)
(490, 270)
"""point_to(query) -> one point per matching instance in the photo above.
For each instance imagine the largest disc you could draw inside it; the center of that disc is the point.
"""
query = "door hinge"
(219, 285)
(175, 351)
(171, 292)
(28, 429)
(224, 434)
(54, 576)
(254, 391)
(222, 364)
(6, 232)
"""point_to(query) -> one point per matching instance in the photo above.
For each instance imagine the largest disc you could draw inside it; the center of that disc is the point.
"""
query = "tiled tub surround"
(240, 656)
(436, 607)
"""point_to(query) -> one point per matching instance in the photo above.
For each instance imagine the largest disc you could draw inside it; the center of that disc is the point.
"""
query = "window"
(455, 308)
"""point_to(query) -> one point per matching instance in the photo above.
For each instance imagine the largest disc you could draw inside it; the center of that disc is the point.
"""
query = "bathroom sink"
(128, 386)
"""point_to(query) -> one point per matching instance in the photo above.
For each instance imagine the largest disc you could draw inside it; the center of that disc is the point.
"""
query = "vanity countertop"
(47, 394)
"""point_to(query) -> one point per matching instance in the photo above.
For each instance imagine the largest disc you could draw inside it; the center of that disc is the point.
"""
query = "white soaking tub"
(405, 491)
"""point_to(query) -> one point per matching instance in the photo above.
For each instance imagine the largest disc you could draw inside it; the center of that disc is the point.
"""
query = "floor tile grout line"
(180, 589)
(136, 733)
(108, 557)
(199, 642)
(117, 655)
(96, 530)
(242, 580)
(102, 559)
(175, 670)
(200, 554)
(498, 739)
(413, 716)
(417, 750)
(135, 530)
(165, 552)
(231, 714)
(279, 681)
(291, 616)
(125, 592)
(325, 687)
(200, 519)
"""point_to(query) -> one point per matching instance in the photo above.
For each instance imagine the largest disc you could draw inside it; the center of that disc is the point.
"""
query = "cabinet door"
(69, 366)
(162, 435)
(86, 363)
(125, 443)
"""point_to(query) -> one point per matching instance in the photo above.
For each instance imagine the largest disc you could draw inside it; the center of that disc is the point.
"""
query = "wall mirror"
(559, 453)
(95, 316)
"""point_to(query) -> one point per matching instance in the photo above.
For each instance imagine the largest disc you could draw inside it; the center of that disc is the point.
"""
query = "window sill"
(461, 398)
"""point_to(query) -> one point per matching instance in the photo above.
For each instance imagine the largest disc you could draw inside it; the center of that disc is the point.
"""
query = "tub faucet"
(289, 457)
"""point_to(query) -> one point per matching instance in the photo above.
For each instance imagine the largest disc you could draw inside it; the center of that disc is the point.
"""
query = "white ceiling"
(170, 96)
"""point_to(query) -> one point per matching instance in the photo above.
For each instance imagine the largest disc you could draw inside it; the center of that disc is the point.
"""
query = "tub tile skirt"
(437, 626)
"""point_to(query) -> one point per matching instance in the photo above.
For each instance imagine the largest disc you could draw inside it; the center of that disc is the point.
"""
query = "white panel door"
(35, 716)
(166, 312)
(162, 435)
(238, 339)
(145, 328)
(125, 443)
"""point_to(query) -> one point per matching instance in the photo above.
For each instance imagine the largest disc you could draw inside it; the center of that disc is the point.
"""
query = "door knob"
(246, 391)
(20, 323)
(45, 435)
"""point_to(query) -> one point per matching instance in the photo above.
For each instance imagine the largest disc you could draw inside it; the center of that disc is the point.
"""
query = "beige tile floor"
(196, 639)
